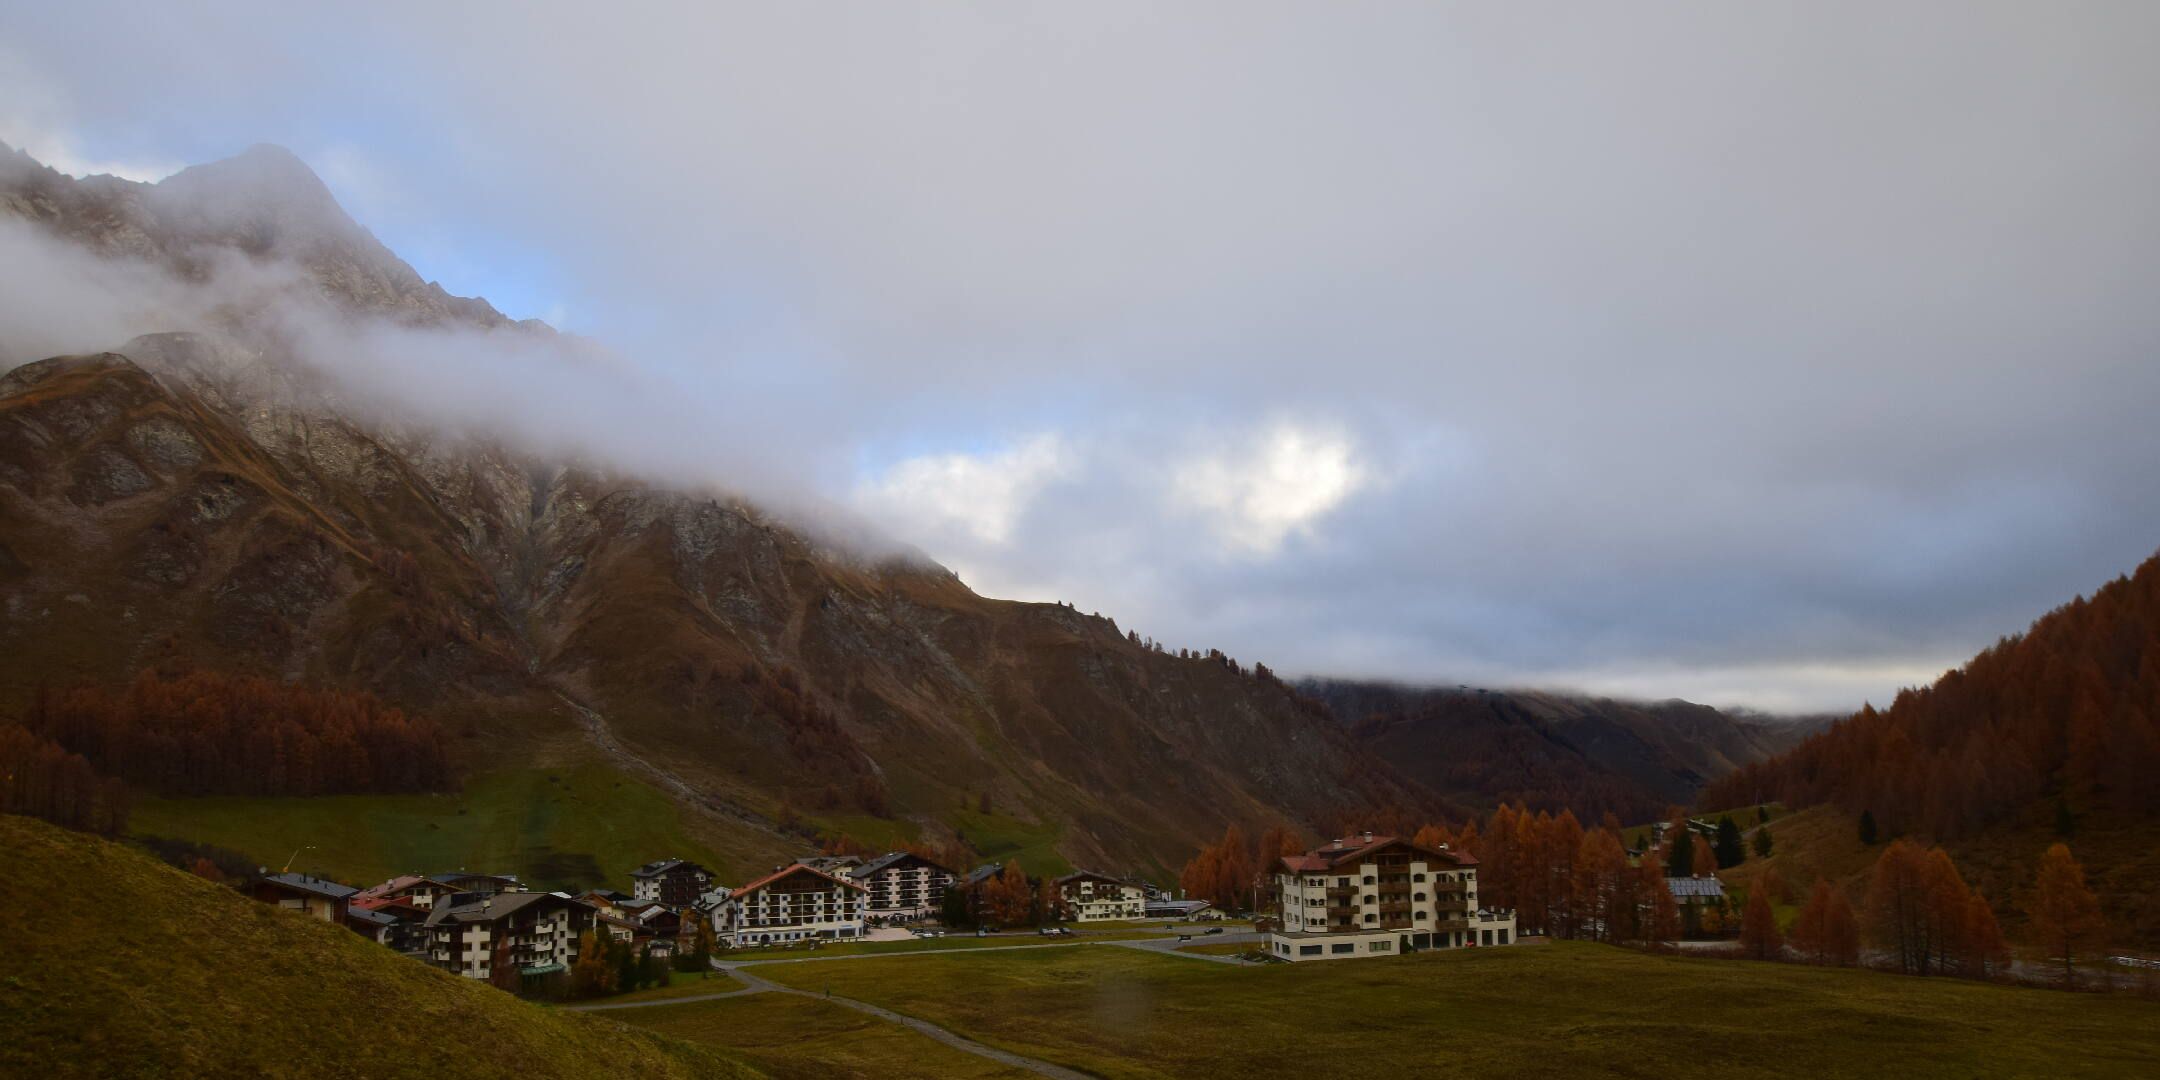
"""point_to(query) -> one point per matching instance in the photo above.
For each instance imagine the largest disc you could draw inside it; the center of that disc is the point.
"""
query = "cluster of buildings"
(1380, 896)
(1359, 896)
(476, 924)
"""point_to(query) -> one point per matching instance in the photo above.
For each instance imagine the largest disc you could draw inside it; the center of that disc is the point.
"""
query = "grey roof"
(311, 884)
(370, 915)
(1187, 907)
(662, 866)
(1695, 886)
(1090, 875)
(498, 906)
(889, 858)
(985, 872)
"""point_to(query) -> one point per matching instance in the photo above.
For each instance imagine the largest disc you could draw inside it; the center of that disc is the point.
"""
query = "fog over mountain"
(1680, 349)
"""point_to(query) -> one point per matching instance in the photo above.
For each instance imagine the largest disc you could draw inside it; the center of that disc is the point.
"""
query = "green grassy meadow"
(571, 827)
(1563, 1009)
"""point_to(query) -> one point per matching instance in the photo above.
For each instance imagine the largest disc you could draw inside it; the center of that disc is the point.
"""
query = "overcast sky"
(1764, 354)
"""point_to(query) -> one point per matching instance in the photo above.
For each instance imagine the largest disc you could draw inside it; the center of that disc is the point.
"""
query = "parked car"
(1213, 930)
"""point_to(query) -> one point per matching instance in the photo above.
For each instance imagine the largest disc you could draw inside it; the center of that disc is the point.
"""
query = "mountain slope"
(2045, 731)
(206, 498)
(1589, 755)
(175, 976)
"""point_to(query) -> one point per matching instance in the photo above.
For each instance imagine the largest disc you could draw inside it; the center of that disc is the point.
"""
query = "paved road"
(1169, 946)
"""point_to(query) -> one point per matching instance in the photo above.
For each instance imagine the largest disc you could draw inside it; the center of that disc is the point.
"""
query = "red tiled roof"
(796, 868)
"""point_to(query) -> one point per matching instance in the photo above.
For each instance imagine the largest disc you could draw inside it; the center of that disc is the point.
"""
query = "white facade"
(1095, 898)
(1380, 896)
(903, 884)
(468, 948)
(795, 904)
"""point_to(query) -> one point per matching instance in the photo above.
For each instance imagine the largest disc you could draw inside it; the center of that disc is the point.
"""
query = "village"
(1360, 896)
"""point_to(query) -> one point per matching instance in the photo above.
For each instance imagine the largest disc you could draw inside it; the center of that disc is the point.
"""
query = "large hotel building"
(1380, 895)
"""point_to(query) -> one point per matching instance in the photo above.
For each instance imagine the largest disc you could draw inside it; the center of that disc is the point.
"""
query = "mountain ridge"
(205, 496)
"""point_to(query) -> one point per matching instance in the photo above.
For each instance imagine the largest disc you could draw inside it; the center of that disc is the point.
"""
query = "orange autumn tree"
(2065, 915)
(1759, 937)
(1007, 898)
(1223, 873)
(1604, 888)
(1823, 932)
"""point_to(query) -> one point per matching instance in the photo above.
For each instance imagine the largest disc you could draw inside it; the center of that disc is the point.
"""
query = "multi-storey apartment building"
(1098, 897)
(538, 932)
(673, 882)
(793, 903)
(1380, 895)
(903, 883)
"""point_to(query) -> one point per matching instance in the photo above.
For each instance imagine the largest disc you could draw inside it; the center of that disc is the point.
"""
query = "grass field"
(681, 984)
(564, 828)
(120, 966)
(795, 1037)
(997, 838)
(1564, 1009)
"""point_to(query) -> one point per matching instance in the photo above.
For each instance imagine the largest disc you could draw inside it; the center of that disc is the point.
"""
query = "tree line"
(41, 779)
(208, 733)
(1564, 880)
(2065, 709)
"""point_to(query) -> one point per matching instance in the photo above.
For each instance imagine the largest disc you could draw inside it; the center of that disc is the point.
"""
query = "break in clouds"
(1682, 349)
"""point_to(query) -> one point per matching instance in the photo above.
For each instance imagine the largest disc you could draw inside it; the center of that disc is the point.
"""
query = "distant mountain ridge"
(1552, 750)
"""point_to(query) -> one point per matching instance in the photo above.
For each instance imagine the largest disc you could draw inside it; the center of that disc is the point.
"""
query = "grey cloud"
(1694, 342)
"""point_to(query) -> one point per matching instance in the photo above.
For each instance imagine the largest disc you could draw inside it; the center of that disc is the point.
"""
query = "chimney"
(1366, 836)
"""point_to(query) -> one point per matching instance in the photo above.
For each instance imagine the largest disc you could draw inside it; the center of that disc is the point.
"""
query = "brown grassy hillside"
(122, 966)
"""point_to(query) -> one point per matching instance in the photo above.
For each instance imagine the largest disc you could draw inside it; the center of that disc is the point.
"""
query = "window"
(1308, 950)
(1420, 898)
(1382, 946)
(1370, 917)
(1503, 936)
(1343, 947)
(1419, 878)
(1368, 879)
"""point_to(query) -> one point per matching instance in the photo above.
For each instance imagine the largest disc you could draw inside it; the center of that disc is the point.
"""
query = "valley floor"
(1566, 1008)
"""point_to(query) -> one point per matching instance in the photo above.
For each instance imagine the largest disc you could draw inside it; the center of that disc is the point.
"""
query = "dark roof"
(307, 883)
(891, 857)
(1352, 849)
(463, 876)
(655, 869)
(985, 872)
(1090, 875)
(499, 906)
(372, 917)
